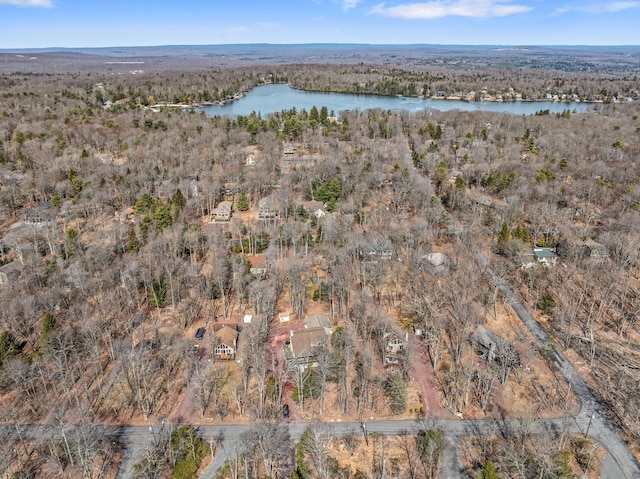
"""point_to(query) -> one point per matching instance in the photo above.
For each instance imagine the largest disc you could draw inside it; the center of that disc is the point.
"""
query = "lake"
(267, 99)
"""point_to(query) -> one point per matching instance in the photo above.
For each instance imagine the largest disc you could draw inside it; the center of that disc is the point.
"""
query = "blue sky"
(99, 23)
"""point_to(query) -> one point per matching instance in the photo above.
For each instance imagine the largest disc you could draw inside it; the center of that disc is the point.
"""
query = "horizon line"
(309, 44)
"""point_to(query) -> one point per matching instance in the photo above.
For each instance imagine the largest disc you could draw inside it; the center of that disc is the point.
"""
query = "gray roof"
(486, 338)
(304, 344)
(10, 271)
(318, 321)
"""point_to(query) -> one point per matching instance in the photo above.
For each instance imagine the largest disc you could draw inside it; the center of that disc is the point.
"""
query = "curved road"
(591, 412)
(620, 463)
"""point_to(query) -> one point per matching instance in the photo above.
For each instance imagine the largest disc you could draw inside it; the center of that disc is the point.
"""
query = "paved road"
(620, 463)
(138, 438)
(591, 412)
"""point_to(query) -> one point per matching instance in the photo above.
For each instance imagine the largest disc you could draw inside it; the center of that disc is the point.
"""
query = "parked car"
(285, 410)
(200, 333)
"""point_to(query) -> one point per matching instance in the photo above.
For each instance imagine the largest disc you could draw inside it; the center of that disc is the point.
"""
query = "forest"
(125, 229)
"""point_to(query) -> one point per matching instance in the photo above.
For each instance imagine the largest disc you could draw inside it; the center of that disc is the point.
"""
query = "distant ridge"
(138, 59)
(239, 48)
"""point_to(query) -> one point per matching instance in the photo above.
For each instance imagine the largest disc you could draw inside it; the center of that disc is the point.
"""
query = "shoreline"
(240, 95)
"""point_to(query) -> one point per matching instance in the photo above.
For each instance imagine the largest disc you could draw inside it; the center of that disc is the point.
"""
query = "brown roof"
(258, 261)
(227, 335)
(224, 206)
(313, 206)
(304, 343)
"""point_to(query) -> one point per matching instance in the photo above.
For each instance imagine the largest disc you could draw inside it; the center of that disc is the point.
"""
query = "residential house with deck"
(268, 208)
(303, 347)
(258, 264)
(223, 211)
(395, 352)
(226, 343)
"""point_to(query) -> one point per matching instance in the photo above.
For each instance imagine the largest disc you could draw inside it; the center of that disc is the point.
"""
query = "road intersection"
(591, 420)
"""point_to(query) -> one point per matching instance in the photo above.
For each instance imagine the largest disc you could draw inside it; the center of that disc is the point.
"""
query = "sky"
(108, 23)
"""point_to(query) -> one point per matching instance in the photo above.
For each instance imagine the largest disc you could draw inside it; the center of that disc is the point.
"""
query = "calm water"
(267, 99)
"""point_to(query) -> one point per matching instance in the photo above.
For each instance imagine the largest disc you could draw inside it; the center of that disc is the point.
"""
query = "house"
(10, 272)
(302, 348)
(595, 251)
(395, 350)
(125, 215)
(492, 347)
(226, 343)
(268, 208)
(247, 318)
(289, 149)
(258, 264)
(318, 321)
(223, 211)
(375, 250)
(284, 317)
(545, 255)
(39, 215)
(298, 161)
(315, 208)
(455, 174)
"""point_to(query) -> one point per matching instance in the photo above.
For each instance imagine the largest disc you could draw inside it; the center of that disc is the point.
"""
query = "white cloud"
(598, 7)
(445, 8)
(237, 30)
(27, 3)
(619, 6)
(349, 4)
